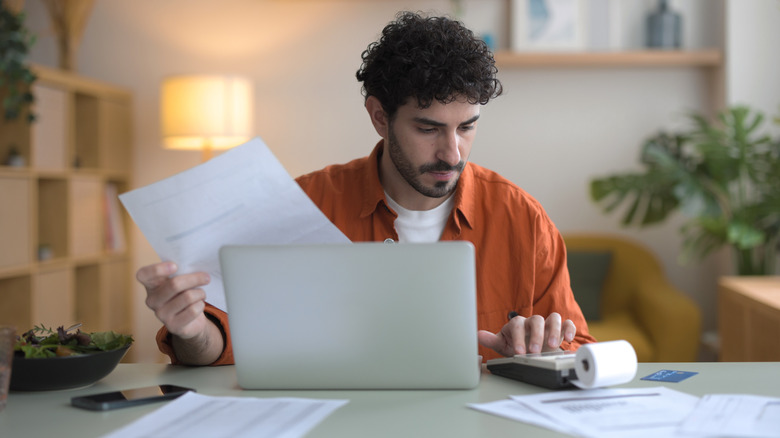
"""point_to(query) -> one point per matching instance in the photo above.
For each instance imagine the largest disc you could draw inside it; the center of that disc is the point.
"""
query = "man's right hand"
(178, 302)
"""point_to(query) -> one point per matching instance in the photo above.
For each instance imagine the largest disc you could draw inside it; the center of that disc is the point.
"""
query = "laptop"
(363, 315)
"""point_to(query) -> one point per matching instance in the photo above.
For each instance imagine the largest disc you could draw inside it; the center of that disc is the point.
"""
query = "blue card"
(669, 376)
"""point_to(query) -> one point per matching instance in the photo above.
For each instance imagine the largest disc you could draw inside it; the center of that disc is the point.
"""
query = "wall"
(551, 132)
(752, 41)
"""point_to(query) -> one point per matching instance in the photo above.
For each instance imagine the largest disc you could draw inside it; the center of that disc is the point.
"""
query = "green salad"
(41, 342)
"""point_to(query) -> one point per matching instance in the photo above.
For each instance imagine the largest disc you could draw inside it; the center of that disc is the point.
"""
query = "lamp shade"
(206, 111)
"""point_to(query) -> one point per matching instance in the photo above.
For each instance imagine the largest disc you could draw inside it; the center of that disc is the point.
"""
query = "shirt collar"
(465, 197)
(374, 195)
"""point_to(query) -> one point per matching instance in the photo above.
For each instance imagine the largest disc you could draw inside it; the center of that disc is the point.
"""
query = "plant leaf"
(745, 236)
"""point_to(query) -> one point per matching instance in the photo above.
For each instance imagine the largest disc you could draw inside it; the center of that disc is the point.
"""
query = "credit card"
(669, 376)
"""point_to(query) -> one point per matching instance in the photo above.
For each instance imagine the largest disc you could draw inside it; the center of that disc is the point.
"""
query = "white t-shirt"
(423, 226)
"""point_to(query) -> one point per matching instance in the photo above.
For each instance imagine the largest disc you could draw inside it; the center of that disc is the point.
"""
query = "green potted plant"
(15, 76)
(724, 176)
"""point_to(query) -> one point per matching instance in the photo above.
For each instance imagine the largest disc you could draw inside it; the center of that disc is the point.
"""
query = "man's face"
(428, 148)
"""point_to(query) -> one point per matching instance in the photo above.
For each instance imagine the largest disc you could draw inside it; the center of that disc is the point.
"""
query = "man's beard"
(412, 176)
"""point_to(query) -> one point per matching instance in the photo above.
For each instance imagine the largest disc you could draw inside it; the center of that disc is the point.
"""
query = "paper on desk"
(243, 196)
(513, 410)
(644, 412)
(734, 415)
(195, 415)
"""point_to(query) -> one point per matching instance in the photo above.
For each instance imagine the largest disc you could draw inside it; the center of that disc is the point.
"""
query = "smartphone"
(128, 397)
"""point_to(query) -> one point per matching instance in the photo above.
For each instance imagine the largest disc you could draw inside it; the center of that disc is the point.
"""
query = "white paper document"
(513, 410)
(194, 415)
(242, 197)
(619, 413)
(734, 415)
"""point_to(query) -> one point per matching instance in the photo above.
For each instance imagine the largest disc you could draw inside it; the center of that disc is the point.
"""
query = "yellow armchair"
(638, 303)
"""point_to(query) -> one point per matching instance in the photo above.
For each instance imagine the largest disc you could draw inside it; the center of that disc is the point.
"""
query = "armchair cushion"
(588, 271)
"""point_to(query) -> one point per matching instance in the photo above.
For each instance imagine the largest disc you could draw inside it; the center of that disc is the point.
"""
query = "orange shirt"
(520, 255)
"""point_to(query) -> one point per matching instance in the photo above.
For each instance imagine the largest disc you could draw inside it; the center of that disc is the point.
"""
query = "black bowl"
(46, 374)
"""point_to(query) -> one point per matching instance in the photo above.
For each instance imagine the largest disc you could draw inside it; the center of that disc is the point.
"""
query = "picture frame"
(548, 25)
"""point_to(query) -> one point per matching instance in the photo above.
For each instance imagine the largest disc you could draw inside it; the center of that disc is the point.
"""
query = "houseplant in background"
(15, 76)
(724, 176)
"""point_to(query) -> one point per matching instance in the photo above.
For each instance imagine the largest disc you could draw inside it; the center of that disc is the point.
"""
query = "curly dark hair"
(427, 58)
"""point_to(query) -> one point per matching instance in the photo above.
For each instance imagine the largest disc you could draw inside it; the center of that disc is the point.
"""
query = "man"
(424, 83)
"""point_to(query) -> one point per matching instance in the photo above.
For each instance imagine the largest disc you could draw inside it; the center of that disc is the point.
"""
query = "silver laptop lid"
(346, 316)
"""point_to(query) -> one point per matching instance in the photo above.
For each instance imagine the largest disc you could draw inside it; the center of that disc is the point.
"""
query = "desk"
(369, 413)
(749, 318)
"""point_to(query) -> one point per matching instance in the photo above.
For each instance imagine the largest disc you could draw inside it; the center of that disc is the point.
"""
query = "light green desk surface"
(369, 413)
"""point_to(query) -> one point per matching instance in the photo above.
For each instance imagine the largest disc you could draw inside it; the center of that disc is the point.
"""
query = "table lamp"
(206, 112)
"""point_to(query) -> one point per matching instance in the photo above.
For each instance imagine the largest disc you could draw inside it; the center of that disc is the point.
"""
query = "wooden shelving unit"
(636, 58)
(65, 255)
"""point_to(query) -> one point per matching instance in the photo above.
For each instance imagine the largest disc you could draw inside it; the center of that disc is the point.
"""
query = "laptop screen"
(362, 315)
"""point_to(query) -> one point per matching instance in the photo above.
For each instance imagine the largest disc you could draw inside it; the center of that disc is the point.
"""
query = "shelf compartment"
(102, 138)
(53, 216)
(90, 308)
(50, 136)
(85, 216)
(53, 303)
(116, 218)
(17, 305)
(14, 134)
(102, 295)
(115, 280)
(86, 136)
(16, 222)
(114, 134)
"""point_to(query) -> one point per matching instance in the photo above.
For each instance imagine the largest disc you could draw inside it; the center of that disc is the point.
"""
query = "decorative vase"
(14, 159)
(68, 18)
(664, 28)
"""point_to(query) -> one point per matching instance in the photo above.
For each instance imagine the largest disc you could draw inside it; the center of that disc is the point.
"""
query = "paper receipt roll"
(604, 364)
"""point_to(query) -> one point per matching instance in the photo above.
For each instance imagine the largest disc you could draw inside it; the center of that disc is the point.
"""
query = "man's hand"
(178, 302)
(529, 335)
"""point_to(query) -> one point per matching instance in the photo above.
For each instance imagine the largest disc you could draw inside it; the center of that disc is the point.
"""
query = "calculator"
(552, 370)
